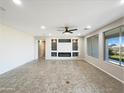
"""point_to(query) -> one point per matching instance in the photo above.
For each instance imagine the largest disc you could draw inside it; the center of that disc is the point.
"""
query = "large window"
(122, 46)
(92, 46)
(114, 48)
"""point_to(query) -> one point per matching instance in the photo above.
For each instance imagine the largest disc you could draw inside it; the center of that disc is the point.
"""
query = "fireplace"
(64, 54)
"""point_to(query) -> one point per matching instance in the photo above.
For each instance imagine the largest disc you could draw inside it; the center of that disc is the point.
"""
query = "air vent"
(2, 9)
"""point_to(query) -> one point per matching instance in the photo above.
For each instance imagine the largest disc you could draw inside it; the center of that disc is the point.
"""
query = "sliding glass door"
(114, 46)
(122, 46)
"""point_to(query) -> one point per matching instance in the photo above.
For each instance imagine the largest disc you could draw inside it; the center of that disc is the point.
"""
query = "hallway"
(58, 77)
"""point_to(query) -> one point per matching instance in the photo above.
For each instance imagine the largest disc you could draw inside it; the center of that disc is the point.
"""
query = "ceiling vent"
(2, 9)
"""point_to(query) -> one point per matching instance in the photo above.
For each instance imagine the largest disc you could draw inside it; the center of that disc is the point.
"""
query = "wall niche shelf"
(64, 48)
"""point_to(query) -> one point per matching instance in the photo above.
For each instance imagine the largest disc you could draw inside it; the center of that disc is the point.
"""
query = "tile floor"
(58, 77)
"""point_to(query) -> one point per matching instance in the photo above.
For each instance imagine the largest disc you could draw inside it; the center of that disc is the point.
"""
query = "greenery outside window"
(114, 46)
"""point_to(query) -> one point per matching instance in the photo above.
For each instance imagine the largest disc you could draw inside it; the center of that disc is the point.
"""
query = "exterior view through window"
(114, 46)
(122, 46)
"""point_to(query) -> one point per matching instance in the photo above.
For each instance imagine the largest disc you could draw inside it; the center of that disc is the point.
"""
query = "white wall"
(113, 70)
(16, 48)
(65, 48)
(35, 49)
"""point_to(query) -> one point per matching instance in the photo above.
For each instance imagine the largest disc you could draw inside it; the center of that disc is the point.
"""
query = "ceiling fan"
(67, 30)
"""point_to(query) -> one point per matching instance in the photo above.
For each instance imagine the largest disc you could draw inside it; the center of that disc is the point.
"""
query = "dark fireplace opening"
(64, 54)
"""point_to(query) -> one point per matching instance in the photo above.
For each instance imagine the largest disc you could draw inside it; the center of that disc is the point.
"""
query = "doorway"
(41, 49)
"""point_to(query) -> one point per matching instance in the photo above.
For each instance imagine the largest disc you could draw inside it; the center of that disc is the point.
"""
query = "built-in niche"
(64, 40)
(64, 51)
(54, 54)
(54, 44)
(75, 44)
(64, 54)
(75, 54)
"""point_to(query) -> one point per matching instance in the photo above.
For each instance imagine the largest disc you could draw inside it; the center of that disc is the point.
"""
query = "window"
(122, 46)
(114, 46)
(92, 46)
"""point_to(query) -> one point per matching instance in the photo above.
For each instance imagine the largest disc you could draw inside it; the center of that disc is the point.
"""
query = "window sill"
(113, 64)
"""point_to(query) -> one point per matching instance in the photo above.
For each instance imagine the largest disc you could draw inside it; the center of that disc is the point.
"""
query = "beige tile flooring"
(58, 77)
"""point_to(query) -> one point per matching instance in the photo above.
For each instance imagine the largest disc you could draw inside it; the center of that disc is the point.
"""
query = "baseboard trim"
(17, 66)
(66, 59)
(105, 71)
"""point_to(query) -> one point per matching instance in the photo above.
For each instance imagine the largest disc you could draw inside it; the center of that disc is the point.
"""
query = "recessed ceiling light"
(49, 34)
(79, 34)
(43, 27)
(87, 28)
(17, 2)
(122, 1)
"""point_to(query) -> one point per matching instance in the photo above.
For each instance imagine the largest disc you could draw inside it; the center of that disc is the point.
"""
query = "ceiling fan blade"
(72, 29)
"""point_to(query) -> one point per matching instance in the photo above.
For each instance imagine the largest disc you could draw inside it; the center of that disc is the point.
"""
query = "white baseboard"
(79, 59)
(17, 66)
(105, 71)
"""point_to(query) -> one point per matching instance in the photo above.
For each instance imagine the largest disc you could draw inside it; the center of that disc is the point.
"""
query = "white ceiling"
(56, 13)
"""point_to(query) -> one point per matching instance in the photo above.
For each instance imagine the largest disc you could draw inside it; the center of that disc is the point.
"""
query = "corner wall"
(111, 69)
(16, 48)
